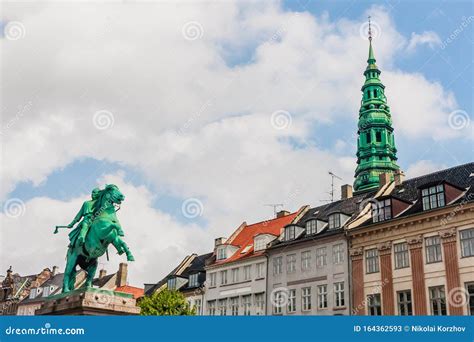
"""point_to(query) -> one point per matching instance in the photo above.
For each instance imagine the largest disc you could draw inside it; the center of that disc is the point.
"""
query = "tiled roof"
(137, 292)
(244, 237)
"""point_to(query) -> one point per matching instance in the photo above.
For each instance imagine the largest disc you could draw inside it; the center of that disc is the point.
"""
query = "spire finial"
(370, 30)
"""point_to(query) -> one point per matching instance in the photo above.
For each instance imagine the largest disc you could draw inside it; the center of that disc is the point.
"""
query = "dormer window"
(221, 255)
(433, 197)
(290, 233)
(260, 243)
(172, 284)
(334, 221)
(193, 280)
(311, 227)
(382, 210)
(32, 293)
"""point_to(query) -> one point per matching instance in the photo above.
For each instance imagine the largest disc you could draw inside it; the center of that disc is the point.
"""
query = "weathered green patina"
(376, 152)
(90, 239)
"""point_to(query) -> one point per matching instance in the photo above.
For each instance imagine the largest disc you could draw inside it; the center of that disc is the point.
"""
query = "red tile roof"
(244, 235)
(137, 292)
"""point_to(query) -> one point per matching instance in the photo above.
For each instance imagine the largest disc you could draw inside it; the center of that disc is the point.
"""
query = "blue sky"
(188, 115)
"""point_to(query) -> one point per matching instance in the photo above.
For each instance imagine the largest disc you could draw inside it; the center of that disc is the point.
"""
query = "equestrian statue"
(98, 227)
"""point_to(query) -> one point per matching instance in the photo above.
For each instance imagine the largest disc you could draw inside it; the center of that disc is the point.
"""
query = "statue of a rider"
(78, 234)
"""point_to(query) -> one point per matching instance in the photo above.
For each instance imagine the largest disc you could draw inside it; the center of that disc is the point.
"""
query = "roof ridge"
(273, 219)
(439, 171)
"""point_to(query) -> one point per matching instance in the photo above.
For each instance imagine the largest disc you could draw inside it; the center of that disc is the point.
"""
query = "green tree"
(166, 303)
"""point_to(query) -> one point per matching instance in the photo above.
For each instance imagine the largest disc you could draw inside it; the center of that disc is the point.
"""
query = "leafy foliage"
(166, 303)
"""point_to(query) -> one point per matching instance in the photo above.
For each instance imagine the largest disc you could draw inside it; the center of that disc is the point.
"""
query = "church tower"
(376, 152)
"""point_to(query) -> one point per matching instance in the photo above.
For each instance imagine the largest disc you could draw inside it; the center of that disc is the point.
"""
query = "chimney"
(346, 191)
(55, 270)
(384, 178)
(282, 213)
(102, 273)
(122, 275)
(219, 241)
(399, 177)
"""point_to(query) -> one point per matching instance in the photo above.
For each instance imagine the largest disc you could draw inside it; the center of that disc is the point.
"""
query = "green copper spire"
(376, 152)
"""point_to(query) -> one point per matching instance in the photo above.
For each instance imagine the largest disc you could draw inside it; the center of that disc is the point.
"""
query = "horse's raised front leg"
(122, 247)
(70, 271)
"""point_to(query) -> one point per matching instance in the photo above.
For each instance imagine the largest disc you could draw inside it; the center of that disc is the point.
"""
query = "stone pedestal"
(90, 301)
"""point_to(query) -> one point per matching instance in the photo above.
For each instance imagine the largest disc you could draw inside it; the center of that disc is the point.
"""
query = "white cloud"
(429, 38)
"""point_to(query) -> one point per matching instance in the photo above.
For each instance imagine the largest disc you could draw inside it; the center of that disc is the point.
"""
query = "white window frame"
(291, 263)
(334, 221)
(321, 256)
(223, 275)
(466, 240)
(433, 249)
(291, 301)
(339, 300)
(247, 272)
(306, 299)
(277, 265)
(305, 260)
(260, 270)
(194, 280)
(400, 254)
(311, 227)
(235, 275)
(338, 253)
(323, 296)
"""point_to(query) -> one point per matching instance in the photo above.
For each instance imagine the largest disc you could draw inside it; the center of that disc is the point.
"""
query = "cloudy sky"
(203, 112)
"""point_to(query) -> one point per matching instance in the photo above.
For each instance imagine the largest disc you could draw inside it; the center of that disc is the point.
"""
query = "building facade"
(237, 277)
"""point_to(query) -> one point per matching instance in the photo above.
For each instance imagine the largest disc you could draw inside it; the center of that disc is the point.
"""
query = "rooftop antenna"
(275, 207)
(332, 184)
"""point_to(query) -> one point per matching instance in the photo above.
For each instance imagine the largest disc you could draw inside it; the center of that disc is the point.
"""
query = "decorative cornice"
(415, 241)
(448, 235)
(385, 248)
(356, 253)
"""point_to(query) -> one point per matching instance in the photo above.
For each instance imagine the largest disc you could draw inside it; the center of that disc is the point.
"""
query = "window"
(467, 242)
(470, 291)
(375, 95)
(322, 297)
(46, 291)
(33, 293)
(223, 307)
(193, 280)
(260, 303)
(172, 283)
(311, 227)
(404, 303)
(374, 305)
(291, 263)
(338, 253)
(224, 277)
(212, 279)
(277, 302)
(292, 301)
(372, 260)
(339, 294)
(246, 304)
(306, 299)
(321, 257)
(437, 301)
(433, 197)
(378, 136)
(305, 260)
(234, 306)
(401, 255)
(221, 253)
(198, 306)
(289, 233)
(433, 249)
(211, 308)
(334, 221)
(382, 210)
(277, 265)
(260, 270)
(235, 275)
(368, 137)
(247, 272)
(260, 243)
